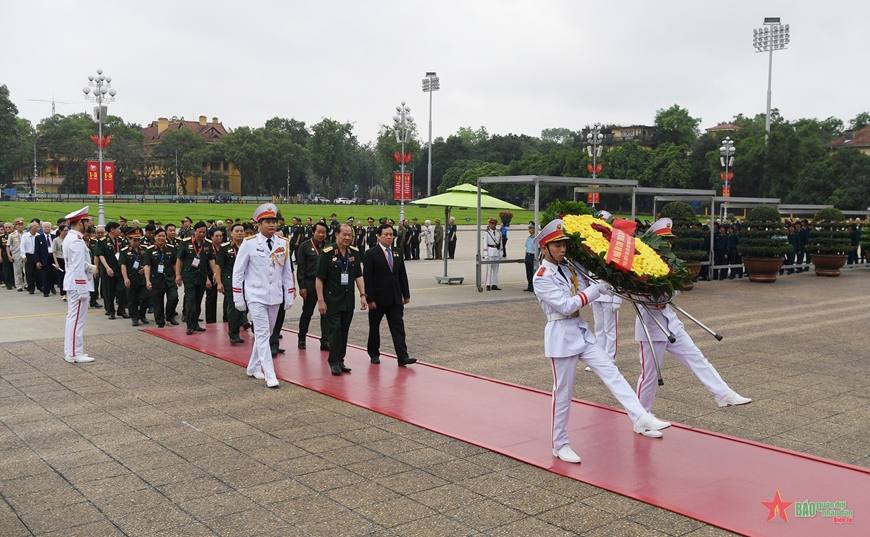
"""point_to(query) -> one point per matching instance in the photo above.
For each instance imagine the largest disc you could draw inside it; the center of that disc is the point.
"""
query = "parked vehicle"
(342, 201)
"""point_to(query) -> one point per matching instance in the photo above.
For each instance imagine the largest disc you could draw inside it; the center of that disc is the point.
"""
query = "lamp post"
(402, 123)
(99, 90)
(772, 36)
(430, 85)
(594, 149)
(726, 158)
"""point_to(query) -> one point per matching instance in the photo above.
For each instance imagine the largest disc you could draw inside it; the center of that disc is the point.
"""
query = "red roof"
(724, 127)
(212, 132)
(859, 138)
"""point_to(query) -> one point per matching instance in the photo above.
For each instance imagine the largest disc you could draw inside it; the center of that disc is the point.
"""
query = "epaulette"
(328, 249)
(251, 237)
(208, 241)
(542, 270)
(185, 239)
(150, 247)
(101, 239)
(225, 243)
(354, 248)
(125, 248)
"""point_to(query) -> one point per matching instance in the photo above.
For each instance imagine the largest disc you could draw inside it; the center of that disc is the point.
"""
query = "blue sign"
(10, 192)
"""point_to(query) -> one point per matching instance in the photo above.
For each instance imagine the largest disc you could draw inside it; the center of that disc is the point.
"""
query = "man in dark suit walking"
(386, 283)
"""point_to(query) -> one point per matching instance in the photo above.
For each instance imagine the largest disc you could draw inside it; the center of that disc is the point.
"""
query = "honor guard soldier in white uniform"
(605, 310)
(492, 251)
(683, 349)
(567, 340)
(263, 282)
(78, 282)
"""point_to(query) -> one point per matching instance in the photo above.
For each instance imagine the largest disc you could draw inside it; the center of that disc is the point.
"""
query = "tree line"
(327, 158)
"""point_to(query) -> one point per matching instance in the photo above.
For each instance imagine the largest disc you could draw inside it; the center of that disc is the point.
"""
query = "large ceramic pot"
(695, 269)
(762, 270)
(828, 265)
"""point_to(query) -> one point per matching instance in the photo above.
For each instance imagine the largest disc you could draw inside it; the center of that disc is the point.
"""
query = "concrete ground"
(156, 439)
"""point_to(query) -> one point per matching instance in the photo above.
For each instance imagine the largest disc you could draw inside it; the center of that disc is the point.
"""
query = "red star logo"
(777, 506)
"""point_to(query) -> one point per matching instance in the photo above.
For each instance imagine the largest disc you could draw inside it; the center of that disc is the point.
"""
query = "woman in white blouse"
(57, 254)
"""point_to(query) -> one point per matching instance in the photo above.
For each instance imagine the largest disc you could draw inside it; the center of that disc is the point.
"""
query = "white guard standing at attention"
(263, 282)
(78, 282)
(683, 349)
(567, 340)
(492, 252)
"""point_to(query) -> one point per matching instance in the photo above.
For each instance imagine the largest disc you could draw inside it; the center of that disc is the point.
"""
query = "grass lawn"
(174, 212)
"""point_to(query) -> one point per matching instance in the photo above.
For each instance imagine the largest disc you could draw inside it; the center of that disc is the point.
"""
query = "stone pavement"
(156, 439)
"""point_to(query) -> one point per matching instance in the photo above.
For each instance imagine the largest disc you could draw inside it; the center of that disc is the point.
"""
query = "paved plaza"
(156, 439)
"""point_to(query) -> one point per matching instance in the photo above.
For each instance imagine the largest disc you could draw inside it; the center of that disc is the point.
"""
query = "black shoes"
(124, 315)
(496, 288)
(135, 322)
(173, 322)
(336, 369)
(189, 331)
(144, 320)
(488, 288)
(111, 316)
(375, 359)
(344, 368)
(301, 345)
(198, 328)
(528, 290)
(236, 340)
(407, 361)
(324, 347)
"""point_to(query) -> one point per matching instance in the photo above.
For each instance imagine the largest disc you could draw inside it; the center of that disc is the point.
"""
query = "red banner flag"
(93, 178)
(621, 251)
(593, 197)
(627, 226)
(726, 191)
(401, 189)
(108, 178)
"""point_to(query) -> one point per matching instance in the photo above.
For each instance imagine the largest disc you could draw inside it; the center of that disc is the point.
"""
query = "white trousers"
(563, 389)
(77, 312)
(263, 317)
(492, 270)
(18, 271)
(430, 249)
(684, 350)
(606, 328)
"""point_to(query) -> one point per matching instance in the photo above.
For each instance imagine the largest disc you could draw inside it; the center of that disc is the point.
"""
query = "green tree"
(266, 157)
(860, 121)
(132, 162)
(675, 125)
(67, 141)
(332, 147)
(385, 150)
(559, 135)
(11, 141)
(668, 167)
(190, 150)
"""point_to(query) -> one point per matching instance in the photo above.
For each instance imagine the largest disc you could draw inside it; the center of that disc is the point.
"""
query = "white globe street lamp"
(99, 90)
(403, 123)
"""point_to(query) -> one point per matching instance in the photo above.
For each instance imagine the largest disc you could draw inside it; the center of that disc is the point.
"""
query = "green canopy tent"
(464, 195)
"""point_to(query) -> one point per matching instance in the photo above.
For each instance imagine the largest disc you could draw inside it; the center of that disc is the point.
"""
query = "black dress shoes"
(376, 359)
(198, 328)
(236, 340)
(301, 345)
(173, 322)
(336, 369)
(488, 288)
(528, 289)
(407, 361)
(112, 316)
(161, 325)
(344, 368)
(143, 320)
(135, 322)
(124, 315)
(246, 325)
(189, 331)
(496, 288)
(280, 350)
(324, 348)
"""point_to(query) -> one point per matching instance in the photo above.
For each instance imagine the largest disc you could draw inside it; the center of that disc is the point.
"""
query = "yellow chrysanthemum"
(646, 261)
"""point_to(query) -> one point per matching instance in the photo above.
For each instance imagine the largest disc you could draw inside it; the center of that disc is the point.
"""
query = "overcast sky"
(511, 66)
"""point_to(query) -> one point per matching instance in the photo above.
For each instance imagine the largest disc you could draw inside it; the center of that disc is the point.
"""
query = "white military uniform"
(78, 284)
(567, 339)
(683, 349)
(17, 257)
(263, 278)
(492, 251)
(605, 309)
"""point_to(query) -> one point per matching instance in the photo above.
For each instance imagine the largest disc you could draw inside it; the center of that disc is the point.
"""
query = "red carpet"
(717, 479)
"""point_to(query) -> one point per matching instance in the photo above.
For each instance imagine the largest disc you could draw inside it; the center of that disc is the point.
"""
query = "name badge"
(344, 279)
(135, 265)
(160, 268)
(118, 256)
(195, 262)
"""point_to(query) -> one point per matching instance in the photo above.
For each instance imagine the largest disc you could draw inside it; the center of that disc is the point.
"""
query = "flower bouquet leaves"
(637, 266)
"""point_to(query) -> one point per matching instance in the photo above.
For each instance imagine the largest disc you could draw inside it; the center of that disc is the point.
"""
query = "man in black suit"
(42, 255)
(386, 283)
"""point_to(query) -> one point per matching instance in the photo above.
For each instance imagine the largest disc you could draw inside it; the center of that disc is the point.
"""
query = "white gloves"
(241, 306)
(90, 269)
(614, 306)
(603, 288)
(288, 303)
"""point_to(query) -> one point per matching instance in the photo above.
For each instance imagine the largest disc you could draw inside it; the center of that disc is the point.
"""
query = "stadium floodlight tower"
(772, 36)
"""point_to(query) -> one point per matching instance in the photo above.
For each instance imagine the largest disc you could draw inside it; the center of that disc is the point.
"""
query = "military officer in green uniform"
(223, 271)
(8, 276)
(338, 268)
(160, 279)
(191, 271)
(132, 261)
(108, 249)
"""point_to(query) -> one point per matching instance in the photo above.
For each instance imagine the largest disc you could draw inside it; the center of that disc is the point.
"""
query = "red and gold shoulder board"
(541, 271)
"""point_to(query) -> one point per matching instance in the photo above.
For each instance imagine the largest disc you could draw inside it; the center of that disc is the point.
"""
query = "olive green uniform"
(137, 293)
(164, 291)
(226, 259)
(194, 277)
(340, 299)
(113, 286)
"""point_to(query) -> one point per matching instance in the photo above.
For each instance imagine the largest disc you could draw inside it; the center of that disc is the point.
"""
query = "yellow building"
(221, 176)
(859, 140)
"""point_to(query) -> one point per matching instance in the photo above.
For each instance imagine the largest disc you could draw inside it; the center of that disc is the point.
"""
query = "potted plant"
(764, 244)
(506, 217)
(829, 242)
(688, 238)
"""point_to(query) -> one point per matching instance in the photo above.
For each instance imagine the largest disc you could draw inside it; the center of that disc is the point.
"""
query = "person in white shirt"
(492, 252)
(78, 282)
(28, 256)
(429, 239)
(263, 282)
(561, 293)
